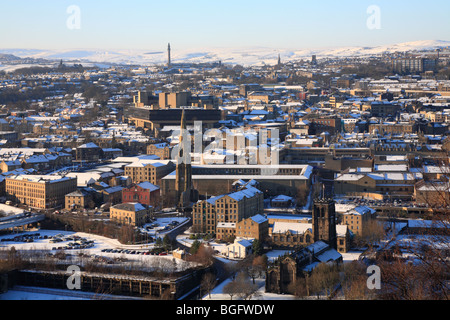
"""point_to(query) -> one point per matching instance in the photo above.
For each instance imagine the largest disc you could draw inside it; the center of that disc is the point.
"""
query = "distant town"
(319, 178)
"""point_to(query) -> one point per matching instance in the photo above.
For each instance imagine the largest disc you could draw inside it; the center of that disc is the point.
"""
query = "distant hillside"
(244, 56)
(8, 57)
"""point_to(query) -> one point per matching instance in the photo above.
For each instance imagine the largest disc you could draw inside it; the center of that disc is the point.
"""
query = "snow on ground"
(38, 293)
(350, 256)
(160, 226)
(99, 244)
(261, 294)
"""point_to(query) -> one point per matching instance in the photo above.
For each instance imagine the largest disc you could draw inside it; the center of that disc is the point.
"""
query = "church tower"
(324, 221)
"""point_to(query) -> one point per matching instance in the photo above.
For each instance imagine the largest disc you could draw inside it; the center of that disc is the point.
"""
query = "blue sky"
(150, 25)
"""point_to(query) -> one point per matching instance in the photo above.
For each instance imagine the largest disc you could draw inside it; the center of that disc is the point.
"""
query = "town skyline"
(207, 150)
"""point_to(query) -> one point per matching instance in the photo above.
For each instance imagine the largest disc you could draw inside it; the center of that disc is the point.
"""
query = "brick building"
(144, 192)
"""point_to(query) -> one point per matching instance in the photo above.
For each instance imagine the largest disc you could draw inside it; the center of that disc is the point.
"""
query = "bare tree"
(416, 264)
(208, 283)
(231, 288)
(354, 282)
(260, 264)
(373, 231)
(246, 288)
(324, 279)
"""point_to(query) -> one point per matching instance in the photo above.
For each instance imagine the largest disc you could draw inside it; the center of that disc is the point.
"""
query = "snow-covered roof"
(293, 228)
(88, 145)
(130, 206)
(258, 218)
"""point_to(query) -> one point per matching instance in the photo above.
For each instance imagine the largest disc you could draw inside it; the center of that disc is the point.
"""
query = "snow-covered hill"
(244, 56)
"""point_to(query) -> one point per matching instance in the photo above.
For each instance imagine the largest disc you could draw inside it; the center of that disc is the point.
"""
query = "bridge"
(21, 220)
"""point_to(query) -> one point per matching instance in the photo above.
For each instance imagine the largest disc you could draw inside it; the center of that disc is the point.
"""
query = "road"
(21, 221)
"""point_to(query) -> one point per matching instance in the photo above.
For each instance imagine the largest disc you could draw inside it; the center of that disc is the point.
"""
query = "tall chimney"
(168, 56)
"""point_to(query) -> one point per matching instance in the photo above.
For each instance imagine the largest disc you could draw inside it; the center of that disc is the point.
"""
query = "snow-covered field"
(95, 246)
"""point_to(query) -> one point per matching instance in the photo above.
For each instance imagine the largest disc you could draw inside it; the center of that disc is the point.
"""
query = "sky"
(151, 24)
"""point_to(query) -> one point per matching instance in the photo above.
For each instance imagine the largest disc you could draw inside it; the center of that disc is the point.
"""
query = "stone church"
(186, 194)
(282, 276)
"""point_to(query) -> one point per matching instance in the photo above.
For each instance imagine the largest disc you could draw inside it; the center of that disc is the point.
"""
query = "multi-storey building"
(78, 199)
(383, 109)
(132, 213)
(395, 185)
(331, 125)
(144, 192)
(40, 191)
(144, 171)
(357, 218)
(255, 227)
(414, 65)
(393, 128)
(162, 150)
(228, 208)
(214, 179)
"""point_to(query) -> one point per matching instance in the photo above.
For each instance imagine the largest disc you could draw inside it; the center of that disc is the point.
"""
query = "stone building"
(432, 193)
(153, 172)
(255, 227)
(357, 218)
(78, 199)
(131, 213)
(282, 275)
(293, 233)
(227, 208)
(214, 179)
(161, 150)
(88, 152)
(39, 191)
(324, 221)
(391, 184)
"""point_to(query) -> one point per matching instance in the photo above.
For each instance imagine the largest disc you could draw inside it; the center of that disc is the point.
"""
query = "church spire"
(183, 120)
(184, 188)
